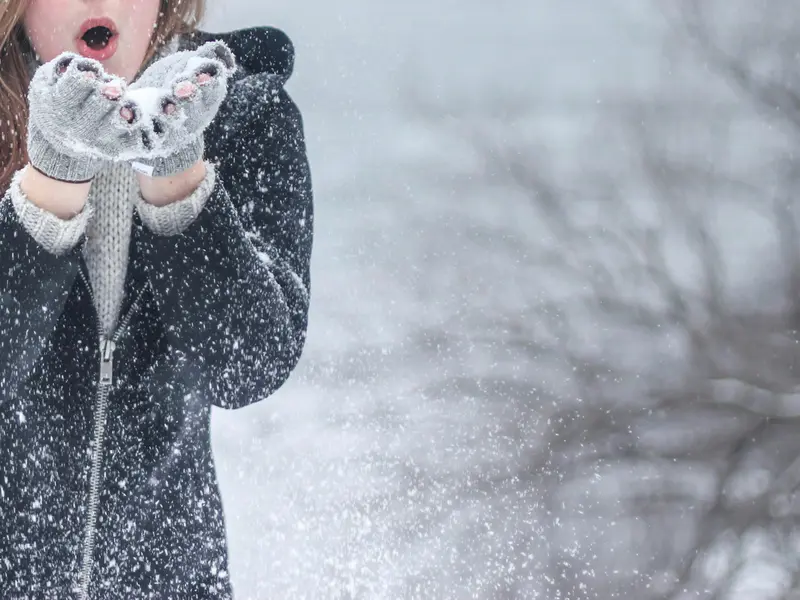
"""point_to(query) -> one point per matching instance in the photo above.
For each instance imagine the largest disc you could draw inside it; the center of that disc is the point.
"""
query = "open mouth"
(98, 37)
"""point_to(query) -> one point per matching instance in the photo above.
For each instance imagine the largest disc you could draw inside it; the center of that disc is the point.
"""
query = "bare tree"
(662, 394)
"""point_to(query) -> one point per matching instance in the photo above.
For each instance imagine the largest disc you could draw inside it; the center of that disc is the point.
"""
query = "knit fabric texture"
(107, 220)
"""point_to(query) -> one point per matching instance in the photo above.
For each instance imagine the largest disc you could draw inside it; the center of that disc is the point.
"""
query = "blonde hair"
(175, 17)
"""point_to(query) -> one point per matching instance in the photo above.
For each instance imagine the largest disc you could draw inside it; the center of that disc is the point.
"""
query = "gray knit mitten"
(179, 96)
(76, 122)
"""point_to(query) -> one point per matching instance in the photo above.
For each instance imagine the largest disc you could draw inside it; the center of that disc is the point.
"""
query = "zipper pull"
(107, 362)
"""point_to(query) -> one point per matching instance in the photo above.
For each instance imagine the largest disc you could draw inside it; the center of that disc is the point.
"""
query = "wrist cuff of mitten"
(57, 165)
(172, 164)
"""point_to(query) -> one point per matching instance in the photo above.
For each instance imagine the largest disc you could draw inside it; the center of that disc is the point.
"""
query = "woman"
(155, 239)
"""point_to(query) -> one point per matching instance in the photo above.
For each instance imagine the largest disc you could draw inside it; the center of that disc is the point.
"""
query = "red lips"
(98, 53)
(97, 22)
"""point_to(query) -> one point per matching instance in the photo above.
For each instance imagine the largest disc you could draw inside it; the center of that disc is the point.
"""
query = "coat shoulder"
(260, 50)
(257, 106)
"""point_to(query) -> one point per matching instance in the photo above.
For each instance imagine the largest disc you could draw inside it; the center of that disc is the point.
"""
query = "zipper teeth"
(103, 391)
(94, 489)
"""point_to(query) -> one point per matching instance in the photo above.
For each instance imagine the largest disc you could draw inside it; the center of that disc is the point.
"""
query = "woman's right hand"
(79, 118)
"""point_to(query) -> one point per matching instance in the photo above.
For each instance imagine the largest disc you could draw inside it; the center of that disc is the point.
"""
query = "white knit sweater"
(107, 219)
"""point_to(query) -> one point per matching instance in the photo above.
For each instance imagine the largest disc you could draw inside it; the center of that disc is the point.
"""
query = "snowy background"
(551, 349)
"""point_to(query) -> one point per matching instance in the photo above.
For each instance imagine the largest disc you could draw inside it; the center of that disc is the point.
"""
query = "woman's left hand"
(175, 99)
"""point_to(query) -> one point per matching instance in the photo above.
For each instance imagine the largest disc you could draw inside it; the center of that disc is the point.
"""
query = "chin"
(118, 72)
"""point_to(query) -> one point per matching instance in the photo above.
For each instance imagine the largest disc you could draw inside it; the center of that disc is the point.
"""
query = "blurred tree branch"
(666, 403)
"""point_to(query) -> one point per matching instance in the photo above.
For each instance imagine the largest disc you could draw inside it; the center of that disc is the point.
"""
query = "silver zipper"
(107, 347)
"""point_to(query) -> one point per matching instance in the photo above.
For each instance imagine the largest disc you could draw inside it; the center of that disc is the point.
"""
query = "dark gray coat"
(214, 316)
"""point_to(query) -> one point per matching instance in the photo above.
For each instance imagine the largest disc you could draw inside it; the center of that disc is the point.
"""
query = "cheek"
(44, 25)
(143, 14)
(136, 29)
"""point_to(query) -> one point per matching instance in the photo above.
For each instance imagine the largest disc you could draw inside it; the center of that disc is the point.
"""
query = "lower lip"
(103, 54)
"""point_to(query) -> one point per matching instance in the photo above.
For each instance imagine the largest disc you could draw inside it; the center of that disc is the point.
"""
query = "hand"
(177, 98)
(75, 124)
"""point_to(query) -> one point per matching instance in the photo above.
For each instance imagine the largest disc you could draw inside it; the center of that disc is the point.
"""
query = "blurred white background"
(465, 353)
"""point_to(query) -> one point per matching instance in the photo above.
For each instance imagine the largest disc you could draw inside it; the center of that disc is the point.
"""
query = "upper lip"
(97, 22)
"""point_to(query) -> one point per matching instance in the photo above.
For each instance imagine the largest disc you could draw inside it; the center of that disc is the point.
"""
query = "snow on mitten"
(74, 123)
(179, 95)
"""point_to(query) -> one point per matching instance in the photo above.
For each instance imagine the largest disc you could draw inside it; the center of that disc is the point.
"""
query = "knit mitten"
(75, 123)
(179, 96)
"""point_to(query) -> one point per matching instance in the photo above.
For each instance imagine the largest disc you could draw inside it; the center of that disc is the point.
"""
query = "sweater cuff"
(174, 218)
(54, 234)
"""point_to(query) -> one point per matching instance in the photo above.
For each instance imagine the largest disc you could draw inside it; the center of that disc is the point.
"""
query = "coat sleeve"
(34, 285)
(233, 287)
